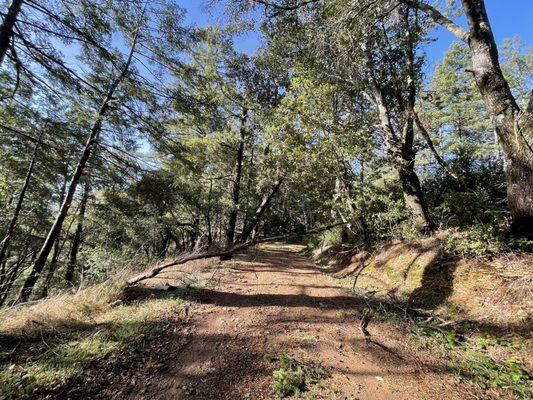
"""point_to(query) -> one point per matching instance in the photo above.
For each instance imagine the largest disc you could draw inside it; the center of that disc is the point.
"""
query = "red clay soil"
(276, 298)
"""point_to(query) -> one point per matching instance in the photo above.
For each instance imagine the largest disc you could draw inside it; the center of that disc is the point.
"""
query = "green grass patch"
(57, 364)
(472, 359)
(343, 314)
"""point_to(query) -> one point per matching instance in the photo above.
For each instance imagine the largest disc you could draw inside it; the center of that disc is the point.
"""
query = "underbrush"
(293, 377)
(483, 240)
(490, 362)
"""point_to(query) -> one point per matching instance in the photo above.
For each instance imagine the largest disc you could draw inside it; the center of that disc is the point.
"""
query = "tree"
(77, 239)
(512, 124)
(53, 234)
(20, 200)
(380, 66)
(7, 29)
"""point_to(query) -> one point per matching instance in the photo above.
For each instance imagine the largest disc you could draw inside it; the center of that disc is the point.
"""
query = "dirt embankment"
(420, 273)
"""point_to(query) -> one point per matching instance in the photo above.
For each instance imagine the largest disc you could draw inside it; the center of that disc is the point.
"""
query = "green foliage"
(272, 354)
(343, 314)
(293, 378)
(473, 361)
(333, 237)
(483, 240)
(509, 376)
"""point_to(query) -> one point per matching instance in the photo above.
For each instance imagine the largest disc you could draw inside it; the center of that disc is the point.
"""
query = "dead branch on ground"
(225, 254)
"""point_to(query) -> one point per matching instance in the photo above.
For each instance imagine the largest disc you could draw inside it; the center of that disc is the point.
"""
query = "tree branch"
(439, 18)
(427, 138)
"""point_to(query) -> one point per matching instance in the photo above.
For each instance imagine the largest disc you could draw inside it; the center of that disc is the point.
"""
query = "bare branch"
(439, 18)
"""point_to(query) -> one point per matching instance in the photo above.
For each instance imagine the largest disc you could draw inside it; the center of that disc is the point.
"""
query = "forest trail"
(275, 299)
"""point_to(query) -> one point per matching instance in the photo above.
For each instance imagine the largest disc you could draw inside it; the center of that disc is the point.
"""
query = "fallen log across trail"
(227, 253)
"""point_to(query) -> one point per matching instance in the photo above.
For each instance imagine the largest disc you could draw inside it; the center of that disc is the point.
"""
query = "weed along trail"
(272, 325)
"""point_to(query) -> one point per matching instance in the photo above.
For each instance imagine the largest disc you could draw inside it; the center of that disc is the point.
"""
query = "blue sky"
(508, 18)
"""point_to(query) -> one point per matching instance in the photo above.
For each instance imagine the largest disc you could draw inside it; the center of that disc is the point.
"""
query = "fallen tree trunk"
(225, 254)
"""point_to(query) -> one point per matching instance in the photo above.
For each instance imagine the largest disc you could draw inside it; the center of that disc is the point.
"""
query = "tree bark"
(78, 236)
(57, 247)
(208, 215)
(13, 223)
(412, 190)
(195, 237)
(414, 198)
(10, 279)
(501, 104)
(40, 261)
(6, 30)
(236, 191)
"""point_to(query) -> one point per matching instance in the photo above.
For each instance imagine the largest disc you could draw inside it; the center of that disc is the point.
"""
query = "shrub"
(484, 240)
(292, 378)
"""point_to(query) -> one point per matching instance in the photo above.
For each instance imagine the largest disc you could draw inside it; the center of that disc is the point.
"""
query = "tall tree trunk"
(57, 248)
(248, 188)
(20, 200)
(208, 215)
(195, 237)
(414, 198)
(412, 190)
(256, 218)
(501, 104)
(8, 24)
(78, 236)
(513, 126)
(40, 262)
(3, 272)
(165, 242)
(236, 191)
(11, 277)
(405, 158)
(51, 269)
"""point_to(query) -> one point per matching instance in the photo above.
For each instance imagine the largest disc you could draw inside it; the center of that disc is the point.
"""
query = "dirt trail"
(278, 299)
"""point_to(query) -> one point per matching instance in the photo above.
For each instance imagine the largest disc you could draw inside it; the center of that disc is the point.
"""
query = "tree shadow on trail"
(436, 285)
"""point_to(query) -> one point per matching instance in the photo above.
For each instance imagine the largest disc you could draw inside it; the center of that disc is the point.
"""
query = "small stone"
(116, 303)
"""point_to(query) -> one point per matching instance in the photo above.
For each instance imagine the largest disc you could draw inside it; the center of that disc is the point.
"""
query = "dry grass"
(89, 306)
(53, 342)
(482, 308)
(497, 291)
(62, 311)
